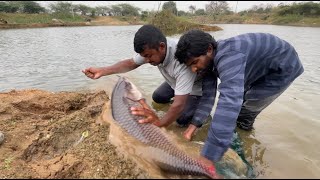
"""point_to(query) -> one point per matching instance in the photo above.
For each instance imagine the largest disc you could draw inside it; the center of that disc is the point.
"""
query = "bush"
(9, 7)
(304, 9)
(170, 24)
(287, 19)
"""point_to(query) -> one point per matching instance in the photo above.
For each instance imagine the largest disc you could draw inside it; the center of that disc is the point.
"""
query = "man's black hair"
(148, 36)
(193, 43)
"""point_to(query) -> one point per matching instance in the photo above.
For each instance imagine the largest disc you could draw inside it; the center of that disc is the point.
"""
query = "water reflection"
(254, 151)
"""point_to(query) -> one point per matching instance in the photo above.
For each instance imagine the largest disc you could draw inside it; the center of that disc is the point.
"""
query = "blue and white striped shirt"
(240, 62)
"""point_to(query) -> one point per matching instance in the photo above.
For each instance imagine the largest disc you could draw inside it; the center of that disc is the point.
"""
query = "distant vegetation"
(302, 13)
(171, 24)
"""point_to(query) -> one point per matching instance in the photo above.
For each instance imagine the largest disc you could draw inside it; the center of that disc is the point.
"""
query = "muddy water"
(285, 142)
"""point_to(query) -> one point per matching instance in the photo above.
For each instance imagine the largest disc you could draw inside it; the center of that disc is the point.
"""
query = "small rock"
(1, 137)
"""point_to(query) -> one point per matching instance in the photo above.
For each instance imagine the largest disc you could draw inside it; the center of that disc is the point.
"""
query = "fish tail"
(212, 173)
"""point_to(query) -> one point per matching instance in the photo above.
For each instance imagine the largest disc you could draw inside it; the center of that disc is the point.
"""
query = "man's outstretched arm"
(119, 67)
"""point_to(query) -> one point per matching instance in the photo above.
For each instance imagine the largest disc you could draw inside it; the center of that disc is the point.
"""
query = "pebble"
(1, 137)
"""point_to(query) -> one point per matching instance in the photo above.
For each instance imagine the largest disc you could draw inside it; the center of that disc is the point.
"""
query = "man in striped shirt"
(254, 69)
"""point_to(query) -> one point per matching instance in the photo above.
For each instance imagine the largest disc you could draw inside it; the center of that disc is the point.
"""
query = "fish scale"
(168, 156)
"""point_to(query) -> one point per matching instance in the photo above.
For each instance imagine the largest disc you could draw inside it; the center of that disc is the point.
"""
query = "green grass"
(19, 18)
(256, 18)
(286, 19)
(296, 20)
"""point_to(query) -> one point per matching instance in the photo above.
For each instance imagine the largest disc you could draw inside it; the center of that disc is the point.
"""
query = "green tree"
(93, 12)
(144, 15)
(84, 9)
(3, 6)
(116, 10)
(171, 6)
(182, 13)
(303, 9)
(217, 7)
(31, 7)
(62, 7)
(103, 10)
(129, 10)
(124, 9)
(10, 6)
(200, 12)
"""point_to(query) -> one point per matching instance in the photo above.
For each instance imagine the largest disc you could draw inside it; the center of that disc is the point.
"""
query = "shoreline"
(44, 25)
(124, 23)
(295, 25)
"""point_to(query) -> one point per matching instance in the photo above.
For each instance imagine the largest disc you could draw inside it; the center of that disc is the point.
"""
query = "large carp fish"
(167, 155)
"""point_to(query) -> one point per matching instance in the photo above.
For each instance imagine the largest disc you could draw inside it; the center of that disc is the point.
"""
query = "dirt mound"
(56, 135)
(107, 20)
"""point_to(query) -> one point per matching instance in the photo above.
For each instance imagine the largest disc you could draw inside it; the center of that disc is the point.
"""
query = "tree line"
(213, 8)
(61, 7)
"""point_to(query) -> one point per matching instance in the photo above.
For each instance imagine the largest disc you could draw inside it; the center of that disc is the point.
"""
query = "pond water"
(285, 141)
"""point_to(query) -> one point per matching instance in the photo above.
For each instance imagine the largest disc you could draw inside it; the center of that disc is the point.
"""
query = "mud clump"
(56, 135)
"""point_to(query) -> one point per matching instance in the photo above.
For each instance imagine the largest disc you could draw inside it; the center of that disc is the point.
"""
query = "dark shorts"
(164, 94)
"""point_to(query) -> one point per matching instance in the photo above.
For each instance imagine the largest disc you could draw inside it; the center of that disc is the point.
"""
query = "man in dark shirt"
(254, 69)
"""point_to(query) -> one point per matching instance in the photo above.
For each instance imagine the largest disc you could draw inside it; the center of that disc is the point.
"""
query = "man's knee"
(184, 119)
(160, 98)
(163, 94)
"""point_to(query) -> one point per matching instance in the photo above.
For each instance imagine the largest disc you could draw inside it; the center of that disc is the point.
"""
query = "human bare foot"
(188, 133)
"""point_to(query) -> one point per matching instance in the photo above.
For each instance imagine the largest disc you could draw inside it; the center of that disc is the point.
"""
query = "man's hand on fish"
(145, 110)
(93, 73)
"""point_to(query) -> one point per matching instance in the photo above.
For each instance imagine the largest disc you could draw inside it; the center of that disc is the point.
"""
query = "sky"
(181, 5)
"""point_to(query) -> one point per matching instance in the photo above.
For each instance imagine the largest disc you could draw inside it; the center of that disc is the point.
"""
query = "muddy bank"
(43, 133)
(41, 25)
(72, 135)
(98, 21)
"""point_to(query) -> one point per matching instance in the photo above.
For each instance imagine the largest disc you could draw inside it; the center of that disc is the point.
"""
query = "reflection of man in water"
(254, 69)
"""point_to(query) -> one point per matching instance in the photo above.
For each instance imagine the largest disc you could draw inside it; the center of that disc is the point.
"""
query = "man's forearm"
(209, 90)
(172, 114)
(120, 67)
(175, 110)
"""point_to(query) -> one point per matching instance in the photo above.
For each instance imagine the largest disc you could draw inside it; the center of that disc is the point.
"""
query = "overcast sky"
(181, 5)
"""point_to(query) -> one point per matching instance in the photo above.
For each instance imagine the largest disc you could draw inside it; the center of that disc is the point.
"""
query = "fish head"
(131, 91)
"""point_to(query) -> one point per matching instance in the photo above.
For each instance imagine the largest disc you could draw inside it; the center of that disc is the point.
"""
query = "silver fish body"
(168, 157)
